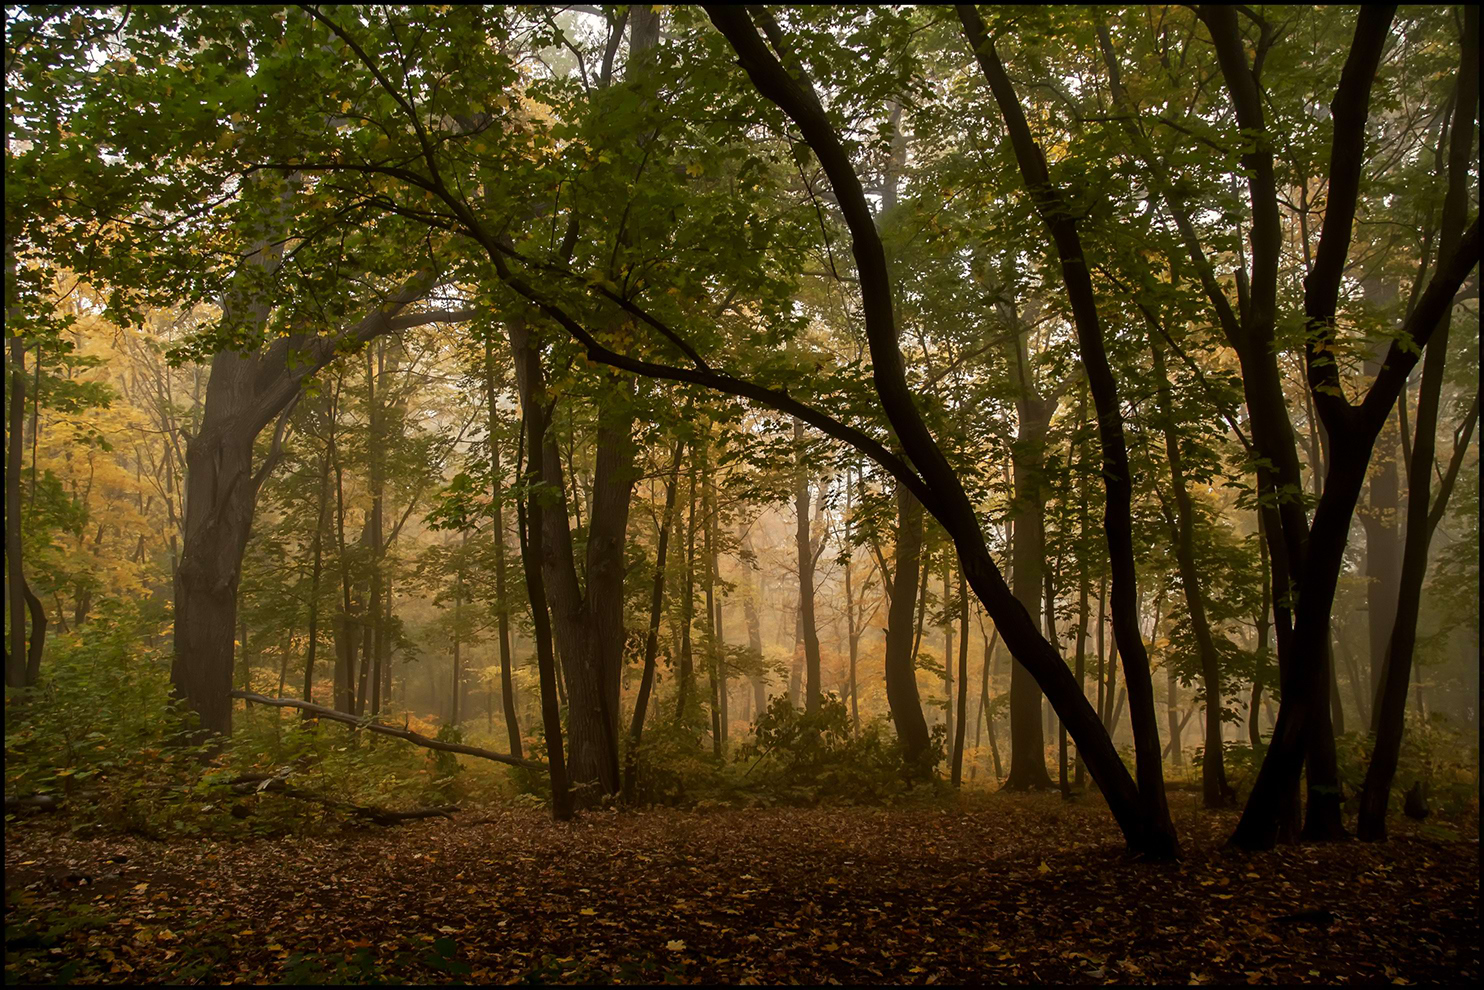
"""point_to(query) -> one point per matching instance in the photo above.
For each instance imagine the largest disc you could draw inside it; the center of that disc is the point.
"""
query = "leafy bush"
(102, 729)
(1433, 751)
(801, 758)
(103, 732)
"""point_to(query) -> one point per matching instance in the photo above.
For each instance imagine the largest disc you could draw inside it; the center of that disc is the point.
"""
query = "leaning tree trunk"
(931, 477)
(1061, 223)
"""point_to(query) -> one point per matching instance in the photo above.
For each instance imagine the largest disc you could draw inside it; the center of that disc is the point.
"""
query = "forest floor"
(1000, 889)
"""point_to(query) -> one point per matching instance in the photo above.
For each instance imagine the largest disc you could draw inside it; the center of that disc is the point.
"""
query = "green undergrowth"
(102, 738)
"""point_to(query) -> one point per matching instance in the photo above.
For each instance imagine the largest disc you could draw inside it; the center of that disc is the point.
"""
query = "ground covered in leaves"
(999, 889)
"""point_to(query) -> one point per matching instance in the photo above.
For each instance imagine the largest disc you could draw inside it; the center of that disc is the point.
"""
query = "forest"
(741, 494)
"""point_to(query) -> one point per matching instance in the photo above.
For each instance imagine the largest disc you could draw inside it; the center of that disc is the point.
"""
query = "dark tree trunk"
(246, 392)
(963, 680)
(587, 621)
(1117, 477)
(530, 523)
(901, 669)
(948, 699)
(16, 673)
(1424, 513)
(1304, 711)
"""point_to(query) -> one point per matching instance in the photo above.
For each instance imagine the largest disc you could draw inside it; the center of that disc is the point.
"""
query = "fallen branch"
(386, 730)
(256, 783)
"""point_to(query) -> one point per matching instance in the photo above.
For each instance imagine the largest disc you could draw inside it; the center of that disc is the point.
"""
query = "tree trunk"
(15, 657)
(1215, 790)
(931, 478)
(497, 504)
(754, 629)
(994, 746)
(805, 546)
(687, 673)
(458, 706)
(901, 669)
(315, 574)
(948, 720)
(713, 644)
(1027, 567)
(1117, 477)
(852, 632)
(375, 450)
(1383, 556)
(1423, 513)
(652, 639)
(587, 622)
(963, 680)
(532, 552)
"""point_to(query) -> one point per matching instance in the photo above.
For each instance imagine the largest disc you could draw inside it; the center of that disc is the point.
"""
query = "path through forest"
(1006, 890)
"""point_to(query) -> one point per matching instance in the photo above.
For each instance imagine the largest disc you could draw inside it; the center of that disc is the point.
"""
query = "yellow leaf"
(1043, 868)
(675, 945)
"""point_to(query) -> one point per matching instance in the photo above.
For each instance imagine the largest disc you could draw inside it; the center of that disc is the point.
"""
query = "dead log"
(41, 802)
(387, 730)
(257, 783)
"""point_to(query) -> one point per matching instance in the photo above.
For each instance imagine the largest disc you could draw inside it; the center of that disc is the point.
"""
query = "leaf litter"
(1001, 889)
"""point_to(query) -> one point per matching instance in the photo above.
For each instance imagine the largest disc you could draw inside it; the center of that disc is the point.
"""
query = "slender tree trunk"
(1383, 556)
(852, 633)
(806, 577)
(994, 746)
(587, 620)
(1216, 791)
(502, 605)
(459, 707)
(345, 643)
(963, 680)
(713, 659)
(687, 676)
(1172, 715)
(315, 574)
(948, 720)
(652, 639)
